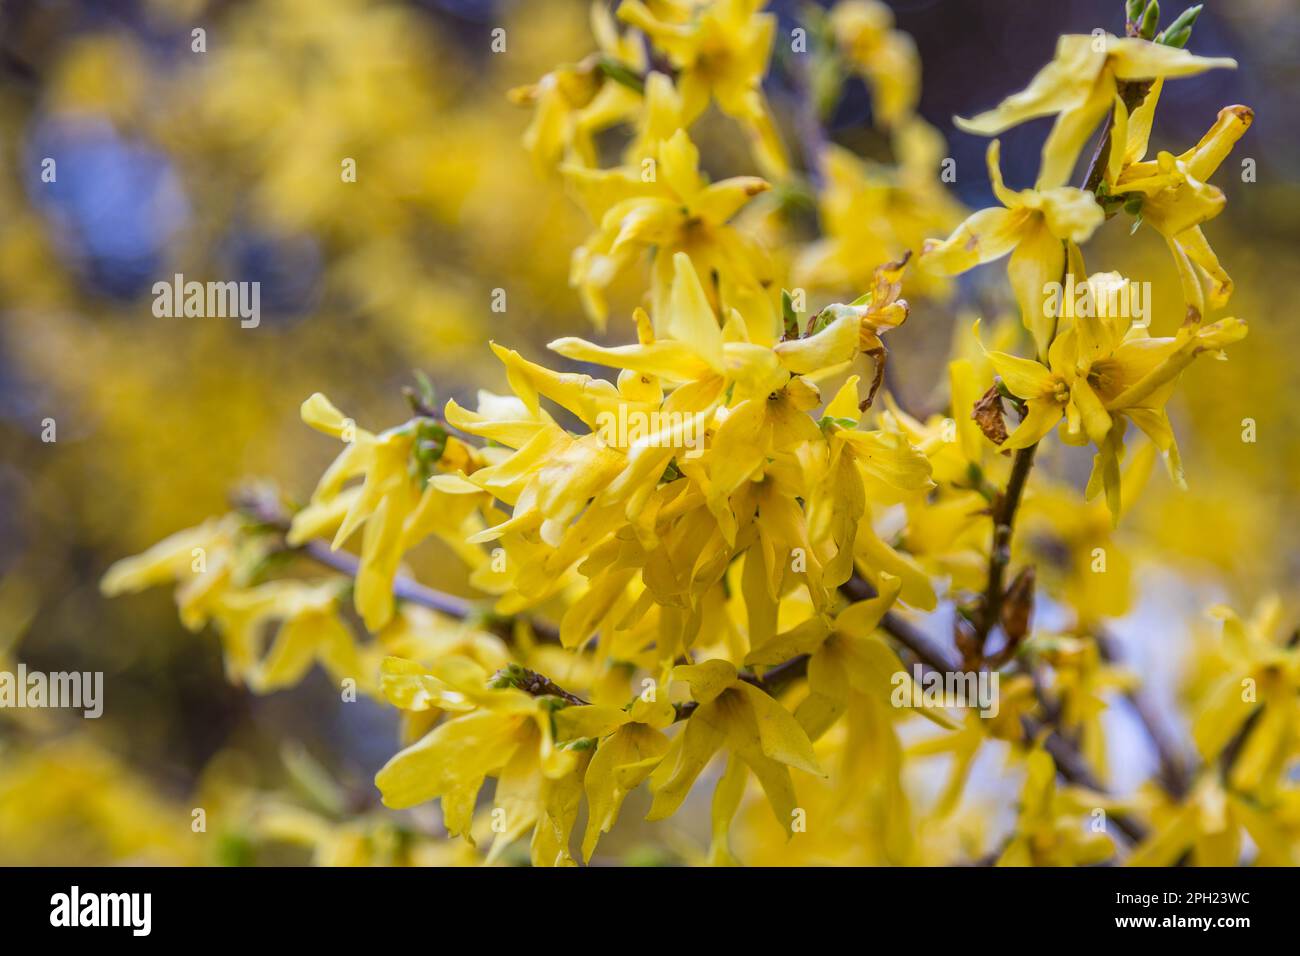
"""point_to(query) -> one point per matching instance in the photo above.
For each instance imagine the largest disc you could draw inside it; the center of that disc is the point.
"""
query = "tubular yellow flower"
(200, 560)
(1034, 225)
(1049, 830)
(574, 102)
(1176, 199)
(1079, 86)
(676, 210)
(310, 630)
(1101, 367)
(396, 512)
(508, 735)
(871, 213)
(632, 743)
(721, 48)
(847, 657)
(1259, 673)
(758, 731)
(1208, 826)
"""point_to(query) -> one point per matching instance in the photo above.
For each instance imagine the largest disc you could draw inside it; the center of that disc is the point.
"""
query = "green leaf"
(789, 316)
(828, 420)
(621, 74)
(1180, 31)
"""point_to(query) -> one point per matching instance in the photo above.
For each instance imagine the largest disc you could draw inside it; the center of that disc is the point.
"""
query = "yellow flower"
(1079, 86)
(200, 559)
(872, 213)
(551, 475)
(213, 564)
(1034, 225)
(847, 656)
(1074, 547)
(1176, 199)
(1259, 674)
(507, 734)
(660, 119)
(310, 629)
(863, 466)
(669, 207)
(1017, 699)
(756, 730)
(415, 639)
(1050, 829)
(666, 512)
(839, 333)
(395, 511)
(1081, 682)
(632, 743)
(721, 50)
(1207, 828)
(576, 101)
(1100, 368)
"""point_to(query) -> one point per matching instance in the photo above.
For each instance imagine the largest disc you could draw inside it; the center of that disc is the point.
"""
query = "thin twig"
(404, 589)
(927, 650)
(1175, 774)
(1005, 507)
(1069, 762)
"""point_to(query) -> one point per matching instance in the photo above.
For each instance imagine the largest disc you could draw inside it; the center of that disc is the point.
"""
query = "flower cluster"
(744, 579)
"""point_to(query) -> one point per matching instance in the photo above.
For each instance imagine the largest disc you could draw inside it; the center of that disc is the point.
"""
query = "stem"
(1132, 92)
(927, 650)
(403, 588)
(1069, 762)
(1004, 519)
(1071, 765)
(774, 678)
(267, 510)
(1174, 775)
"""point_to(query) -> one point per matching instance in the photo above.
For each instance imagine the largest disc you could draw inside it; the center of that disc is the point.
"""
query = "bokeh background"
(226, 165)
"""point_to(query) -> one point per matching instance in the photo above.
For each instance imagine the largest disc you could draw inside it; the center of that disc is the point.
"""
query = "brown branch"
(926, 649)
(266, 510)
(1175, 774)
(1071, 765)
(1132, 92)
(1069, 762)
(404, 589)
(1005, 506)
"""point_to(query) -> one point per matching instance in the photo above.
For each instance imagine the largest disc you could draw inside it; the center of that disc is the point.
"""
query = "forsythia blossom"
(704, 565)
